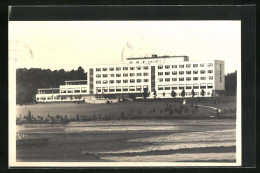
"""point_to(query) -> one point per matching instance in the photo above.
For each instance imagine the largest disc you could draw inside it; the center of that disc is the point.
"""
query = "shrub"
(107, 102)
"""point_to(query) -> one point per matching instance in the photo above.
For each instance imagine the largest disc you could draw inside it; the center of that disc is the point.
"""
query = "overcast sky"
(69, 44)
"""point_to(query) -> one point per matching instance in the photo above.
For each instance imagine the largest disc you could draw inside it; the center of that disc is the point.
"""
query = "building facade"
(158, 75)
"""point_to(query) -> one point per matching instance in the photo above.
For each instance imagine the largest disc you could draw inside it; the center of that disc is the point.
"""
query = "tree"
(173, 93)
(192, 93)
(213, 93)
(145, 93)
(202, 93)
(183, 93)
(231, 83)
(154, 94)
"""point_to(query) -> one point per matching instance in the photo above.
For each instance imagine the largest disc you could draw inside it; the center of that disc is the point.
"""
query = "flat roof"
(76, 80)
(49, 89)
(156, 57)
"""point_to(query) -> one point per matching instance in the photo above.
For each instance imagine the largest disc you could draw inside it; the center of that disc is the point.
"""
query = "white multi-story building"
(156, 74)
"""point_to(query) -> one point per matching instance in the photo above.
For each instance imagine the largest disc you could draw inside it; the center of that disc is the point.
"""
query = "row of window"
(124, 68)
(124, 81)
(187, 72)
(183, 79)
(187, 66)
(124, 75)
(74, 90)
(188, 86)
(120, 89)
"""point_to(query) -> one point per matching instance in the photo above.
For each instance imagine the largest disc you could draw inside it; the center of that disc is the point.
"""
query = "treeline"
(29, 80)
(231, 84)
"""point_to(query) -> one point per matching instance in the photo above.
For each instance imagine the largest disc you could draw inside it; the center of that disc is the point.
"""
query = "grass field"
(135, 109)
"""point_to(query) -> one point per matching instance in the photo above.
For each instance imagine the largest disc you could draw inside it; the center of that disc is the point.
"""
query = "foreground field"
(131, 110)
(131, 140)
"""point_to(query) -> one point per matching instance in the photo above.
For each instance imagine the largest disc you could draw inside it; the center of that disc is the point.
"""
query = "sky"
(69, 44)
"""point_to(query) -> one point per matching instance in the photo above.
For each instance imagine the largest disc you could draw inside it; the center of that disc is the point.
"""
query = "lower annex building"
(155, 74)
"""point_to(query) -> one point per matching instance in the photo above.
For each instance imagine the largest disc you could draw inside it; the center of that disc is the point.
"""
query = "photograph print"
(124, 93)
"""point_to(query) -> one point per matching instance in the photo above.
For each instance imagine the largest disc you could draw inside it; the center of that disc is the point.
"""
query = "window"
(167, 87)
(202, 86)
(174, 66)
(210, 64)
(98, 82)
(146, 67)
(132, 81)
(137, 62)
(167, 66)
(188, 86)
(139, 68)
(138, 74)
(70, 90)
(174, 73)
(167, 79)
(132, 74)
(181, 66)
(181, 79)
(202, 78)
(139, 80)
(196, 86)
(125, 68)
(167, 73)
(210, 77)
(160, 67)
(210, 85)
(125, 81)
(118, 68)
(111, 69)
(195, 72)
(98, 75)
(118, 89)
(188, 65)
(131, 88)
(125, 74)
(188, 72)
(220, 79)
(104, 69)
(160, 79)
(174, 79)
(210, 71)
(105, 89)
(98, 69)
(202, 71)
(111, 89)
(181, 87)
(111, 81)
(125, 88)
(145, 74)
(138, 88)
(220, 72)
(174, 87)
(98, 89)
(195, 78)
(111, 75)
(160, 87)
(220, 66)
(202, 65)
(63, 91)
(146, 80)
(132, 68)
(118, 81)
(104, 81)
(104, 75)
(188, 78)
(118, 75)
(181, 72)
(83, 89)
(195, 65)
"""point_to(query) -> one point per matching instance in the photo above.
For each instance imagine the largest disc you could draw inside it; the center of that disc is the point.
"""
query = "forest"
(29, 80)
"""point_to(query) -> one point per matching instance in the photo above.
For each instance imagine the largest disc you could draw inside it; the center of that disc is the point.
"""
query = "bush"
(107, 102)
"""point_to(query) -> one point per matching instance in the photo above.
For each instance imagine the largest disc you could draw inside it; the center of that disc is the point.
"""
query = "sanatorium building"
(156, 73)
